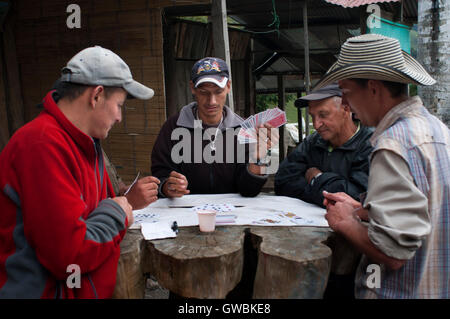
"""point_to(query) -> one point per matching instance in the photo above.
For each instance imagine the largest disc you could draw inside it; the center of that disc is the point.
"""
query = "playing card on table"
(220, 208)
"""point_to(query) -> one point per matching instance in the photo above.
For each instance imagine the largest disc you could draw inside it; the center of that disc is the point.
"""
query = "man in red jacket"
(59, 217)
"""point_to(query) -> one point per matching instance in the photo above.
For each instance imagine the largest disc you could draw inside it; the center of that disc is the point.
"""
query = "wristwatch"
(263, 161)
(314, 179)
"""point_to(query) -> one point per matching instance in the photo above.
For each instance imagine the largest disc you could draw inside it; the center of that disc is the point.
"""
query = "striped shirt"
(420, 234)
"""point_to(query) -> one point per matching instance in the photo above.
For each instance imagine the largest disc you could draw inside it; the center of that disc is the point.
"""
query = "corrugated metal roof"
(330, 23)
(357, 3)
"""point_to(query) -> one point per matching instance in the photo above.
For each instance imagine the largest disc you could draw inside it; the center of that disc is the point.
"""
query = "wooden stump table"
(292, 262)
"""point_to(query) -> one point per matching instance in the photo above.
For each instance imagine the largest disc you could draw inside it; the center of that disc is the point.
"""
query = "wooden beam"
(266, 64)
(307, 76)
(15, 101)
(221, 39)
(281, 105)
(315, 75)
(296, 53)
(363, 19)
(300, 120)
(170, 72)
(318, 22)
(250, 83)
(275, 91)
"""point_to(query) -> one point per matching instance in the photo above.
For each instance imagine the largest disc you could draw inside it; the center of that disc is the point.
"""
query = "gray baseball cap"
(320, 94)
(100, 66)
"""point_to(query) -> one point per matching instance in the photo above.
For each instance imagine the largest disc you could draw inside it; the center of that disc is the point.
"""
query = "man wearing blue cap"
(210, 127)
(334, 158)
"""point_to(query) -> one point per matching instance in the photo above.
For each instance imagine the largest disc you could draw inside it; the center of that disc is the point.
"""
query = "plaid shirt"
(423, 141)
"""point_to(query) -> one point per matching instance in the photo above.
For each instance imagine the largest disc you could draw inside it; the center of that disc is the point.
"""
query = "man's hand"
(123, 202)
(267, 136)
(332, 198)
(176, 185)
(340, 216)
(343, 218)
(144, 192)
(311, 173)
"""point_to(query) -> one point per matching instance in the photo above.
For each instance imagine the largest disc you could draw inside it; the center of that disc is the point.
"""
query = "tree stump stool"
(196, 264)
(291, 262)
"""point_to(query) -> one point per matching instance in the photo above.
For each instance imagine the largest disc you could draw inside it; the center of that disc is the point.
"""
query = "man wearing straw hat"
(405, 241)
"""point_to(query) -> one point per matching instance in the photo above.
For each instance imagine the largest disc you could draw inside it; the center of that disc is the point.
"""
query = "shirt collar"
(411, 104)
(85, 141)
(187, 117)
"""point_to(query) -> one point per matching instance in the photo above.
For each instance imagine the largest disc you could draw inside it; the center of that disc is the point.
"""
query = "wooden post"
(220, 38)
(250, 91)
(363, 19)
(303, 275)
(281, 105)
(15, 101)
(196, 264)
(300, 120)
(170, 72)
(306, 77)
(401, 11)
(130, 283)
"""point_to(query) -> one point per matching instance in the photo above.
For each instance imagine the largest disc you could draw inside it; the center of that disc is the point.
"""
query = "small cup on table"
(206, 220)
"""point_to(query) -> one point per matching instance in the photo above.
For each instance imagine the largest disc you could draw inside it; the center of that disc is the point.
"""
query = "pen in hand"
(132, 184)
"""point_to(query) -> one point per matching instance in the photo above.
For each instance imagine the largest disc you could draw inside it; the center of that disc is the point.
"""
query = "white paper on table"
(262, 210)
(198, 200)
(158, 230)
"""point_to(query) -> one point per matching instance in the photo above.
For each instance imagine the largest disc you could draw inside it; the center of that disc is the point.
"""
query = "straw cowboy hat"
(373, 56)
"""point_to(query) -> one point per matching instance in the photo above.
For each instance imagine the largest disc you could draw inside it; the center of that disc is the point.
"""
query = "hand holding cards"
(248, 132)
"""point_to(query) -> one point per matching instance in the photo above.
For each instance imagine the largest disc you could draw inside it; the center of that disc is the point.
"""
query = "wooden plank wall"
(132, 29)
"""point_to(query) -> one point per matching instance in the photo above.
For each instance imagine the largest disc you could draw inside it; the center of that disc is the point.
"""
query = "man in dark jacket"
(197, 151)
(334, 158)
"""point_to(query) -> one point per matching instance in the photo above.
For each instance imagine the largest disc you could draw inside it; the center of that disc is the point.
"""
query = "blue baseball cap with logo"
(212, 70)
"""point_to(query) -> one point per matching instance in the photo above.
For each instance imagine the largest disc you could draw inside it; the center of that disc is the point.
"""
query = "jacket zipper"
(92, 285)
(95, 172)
(211, 177)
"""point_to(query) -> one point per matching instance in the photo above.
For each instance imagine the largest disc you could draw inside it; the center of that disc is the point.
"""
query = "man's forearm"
(357, 234)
